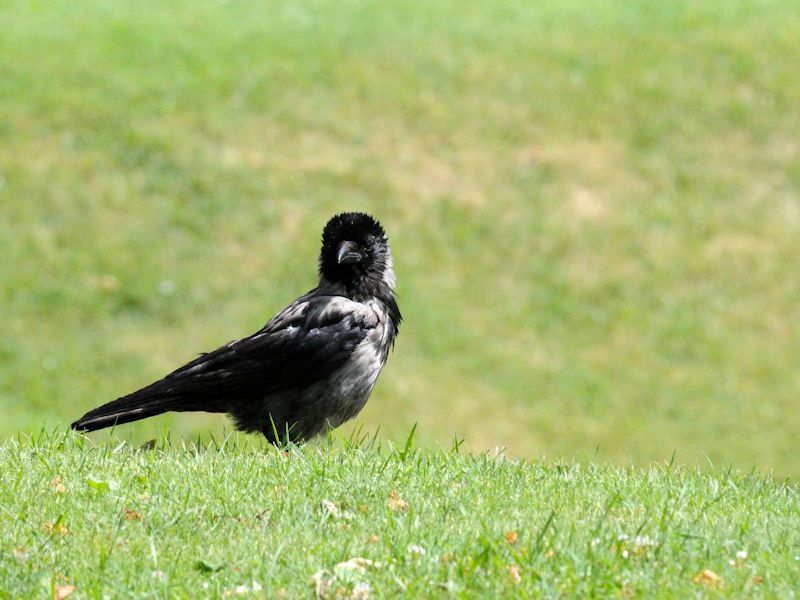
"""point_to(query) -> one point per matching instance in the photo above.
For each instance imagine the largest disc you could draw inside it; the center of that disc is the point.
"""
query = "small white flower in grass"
(625, 554)
(205, 585)
(622, 537)
(741, 556)
(257, 587)
(157, 574)
(414, 549)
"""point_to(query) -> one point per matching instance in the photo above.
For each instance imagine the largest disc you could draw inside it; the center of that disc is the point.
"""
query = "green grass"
(192, 522)
(594, 207)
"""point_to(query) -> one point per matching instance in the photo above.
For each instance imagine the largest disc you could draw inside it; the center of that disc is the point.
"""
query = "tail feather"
(152, 400)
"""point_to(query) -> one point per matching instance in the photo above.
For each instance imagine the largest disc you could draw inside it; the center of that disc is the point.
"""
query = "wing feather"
(304, 343)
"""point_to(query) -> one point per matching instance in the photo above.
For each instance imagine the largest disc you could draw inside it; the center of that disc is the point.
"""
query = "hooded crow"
(310, 368)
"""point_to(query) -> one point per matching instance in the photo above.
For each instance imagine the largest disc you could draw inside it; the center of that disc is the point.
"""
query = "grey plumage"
(312, 366)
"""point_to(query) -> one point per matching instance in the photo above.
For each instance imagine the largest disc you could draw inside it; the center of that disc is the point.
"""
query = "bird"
(310, 368)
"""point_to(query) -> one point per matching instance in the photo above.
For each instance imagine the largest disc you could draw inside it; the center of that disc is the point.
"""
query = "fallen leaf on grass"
(361, 591)
(329, 509)
(396, 502)
(322, 581)
(55, 528)
(132, 515)
(357, 563)
(62, 591)
(56, 484)
(515, 573)
(709, 578)
(511, 537)
(626, 590)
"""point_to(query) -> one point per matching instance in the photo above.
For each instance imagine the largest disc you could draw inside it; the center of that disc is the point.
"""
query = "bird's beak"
(348, 253)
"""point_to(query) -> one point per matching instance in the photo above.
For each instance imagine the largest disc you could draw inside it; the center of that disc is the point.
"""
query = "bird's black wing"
(304, 343)
(311, 338)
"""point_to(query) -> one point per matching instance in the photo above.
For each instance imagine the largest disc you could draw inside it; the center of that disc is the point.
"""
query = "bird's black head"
(355, 253)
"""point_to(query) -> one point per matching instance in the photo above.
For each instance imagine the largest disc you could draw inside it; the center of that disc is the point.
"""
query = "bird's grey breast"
(349, 388)
(342, 393)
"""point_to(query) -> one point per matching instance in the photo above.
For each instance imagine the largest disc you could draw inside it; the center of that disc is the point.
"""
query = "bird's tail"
(152, 400)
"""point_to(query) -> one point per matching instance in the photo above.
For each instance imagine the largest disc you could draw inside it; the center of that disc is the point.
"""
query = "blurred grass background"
(594, 208)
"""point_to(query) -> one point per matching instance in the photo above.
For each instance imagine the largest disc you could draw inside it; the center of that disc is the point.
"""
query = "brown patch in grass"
(586, 204)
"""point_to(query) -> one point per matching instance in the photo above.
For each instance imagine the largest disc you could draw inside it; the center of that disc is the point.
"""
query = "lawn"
(594, 208)
(358, 520)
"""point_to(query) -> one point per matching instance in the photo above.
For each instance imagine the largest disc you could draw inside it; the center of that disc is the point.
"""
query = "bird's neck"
(359, 289)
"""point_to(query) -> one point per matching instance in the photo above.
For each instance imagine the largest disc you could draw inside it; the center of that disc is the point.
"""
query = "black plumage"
(311, 367)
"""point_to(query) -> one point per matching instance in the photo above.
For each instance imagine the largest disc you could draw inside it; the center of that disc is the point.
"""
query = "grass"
(359, 519)
(593, 205)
